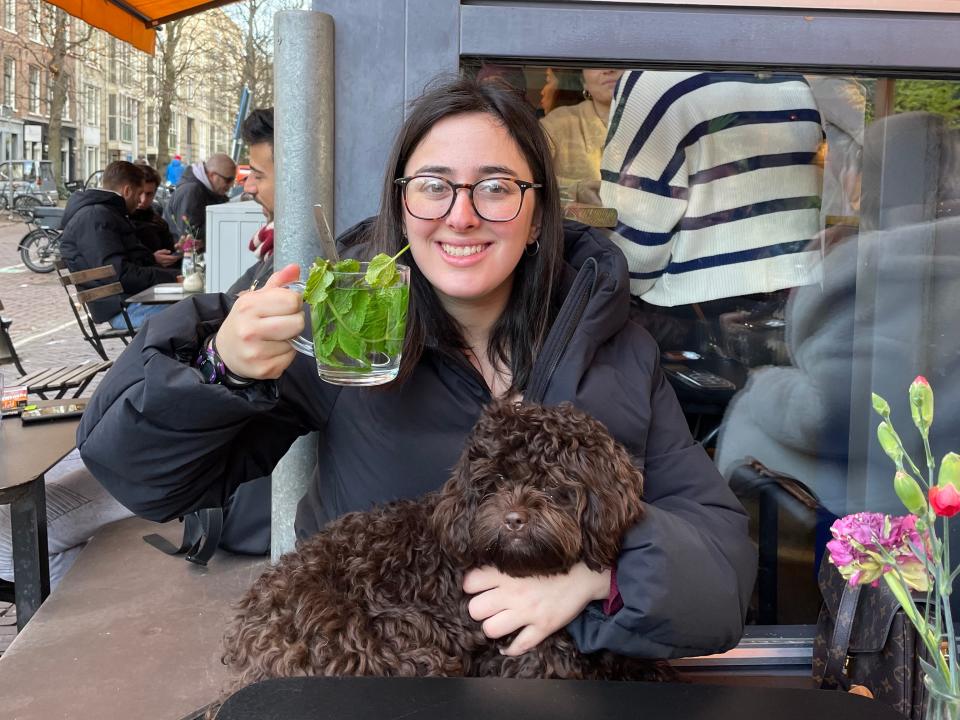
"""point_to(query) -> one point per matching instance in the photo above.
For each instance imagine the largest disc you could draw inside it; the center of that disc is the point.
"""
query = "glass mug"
(358, 330)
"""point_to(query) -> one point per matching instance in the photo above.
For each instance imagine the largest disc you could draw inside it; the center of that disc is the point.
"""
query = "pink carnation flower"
(867, 545)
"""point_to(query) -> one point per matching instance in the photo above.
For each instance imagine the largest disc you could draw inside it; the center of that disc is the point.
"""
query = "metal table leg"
(31, 561)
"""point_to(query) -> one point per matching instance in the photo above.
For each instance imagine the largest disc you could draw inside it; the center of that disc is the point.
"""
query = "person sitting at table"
(202, 184)
(152, 230)
(97, 231)
(492, 316)
(577, 134)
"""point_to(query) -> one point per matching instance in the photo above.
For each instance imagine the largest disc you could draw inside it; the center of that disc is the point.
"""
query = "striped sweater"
(716, 181)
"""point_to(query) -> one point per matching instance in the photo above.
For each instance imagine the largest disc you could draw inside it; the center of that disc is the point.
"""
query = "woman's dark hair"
(518, 335)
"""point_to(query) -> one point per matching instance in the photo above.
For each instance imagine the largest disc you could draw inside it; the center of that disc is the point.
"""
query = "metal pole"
(303, 156)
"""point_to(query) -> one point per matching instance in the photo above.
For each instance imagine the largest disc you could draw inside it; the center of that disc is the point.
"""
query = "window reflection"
(794, 244)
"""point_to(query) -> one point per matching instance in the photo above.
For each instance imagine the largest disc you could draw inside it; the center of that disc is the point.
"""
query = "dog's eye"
(561, 494)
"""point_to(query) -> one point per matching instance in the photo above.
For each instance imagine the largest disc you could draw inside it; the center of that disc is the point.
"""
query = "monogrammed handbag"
(864, 638)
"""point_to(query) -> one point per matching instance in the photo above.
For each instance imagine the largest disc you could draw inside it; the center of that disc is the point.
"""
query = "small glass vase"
(940, 705)
(188, 264)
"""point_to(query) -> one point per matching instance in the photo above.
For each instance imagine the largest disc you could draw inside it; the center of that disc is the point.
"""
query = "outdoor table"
(151, 297)
(315, 698)
(26, 453)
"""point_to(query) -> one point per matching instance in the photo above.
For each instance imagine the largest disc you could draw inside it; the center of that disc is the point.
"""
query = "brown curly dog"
(536, 490)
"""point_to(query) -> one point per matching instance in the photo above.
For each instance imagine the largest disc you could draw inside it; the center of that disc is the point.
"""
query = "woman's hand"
(539, 605)
(252, 342)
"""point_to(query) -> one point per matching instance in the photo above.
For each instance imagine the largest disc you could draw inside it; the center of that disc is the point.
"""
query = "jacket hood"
(93, 196)
(608, 307)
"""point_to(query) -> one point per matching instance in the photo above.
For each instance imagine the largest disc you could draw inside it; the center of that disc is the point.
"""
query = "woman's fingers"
(284, 275)
(253, 338)
(487, 604)
(502, 624)
(268, 302)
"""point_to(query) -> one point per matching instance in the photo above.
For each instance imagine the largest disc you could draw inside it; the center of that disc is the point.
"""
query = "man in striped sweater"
(717, 183)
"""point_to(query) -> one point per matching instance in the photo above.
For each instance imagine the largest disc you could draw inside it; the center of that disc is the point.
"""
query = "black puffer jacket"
(190, 199)
(97, 231)
(152, 230)
(686, 570)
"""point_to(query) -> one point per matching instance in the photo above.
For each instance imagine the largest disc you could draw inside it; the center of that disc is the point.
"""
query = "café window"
(793, 244)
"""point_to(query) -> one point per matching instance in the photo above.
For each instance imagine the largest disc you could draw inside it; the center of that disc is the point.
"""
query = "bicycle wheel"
(40, 249)
(25, 204)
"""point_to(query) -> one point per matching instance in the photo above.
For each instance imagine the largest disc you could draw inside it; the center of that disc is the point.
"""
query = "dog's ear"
(612, 503)
(453, 515)
(460, 497)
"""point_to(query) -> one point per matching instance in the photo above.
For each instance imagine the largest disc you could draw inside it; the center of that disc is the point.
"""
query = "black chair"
(78, 303)
(8, 353)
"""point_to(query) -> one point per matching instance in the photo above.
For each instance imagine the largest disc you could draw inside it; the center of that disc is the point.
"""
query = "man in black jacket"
(257, 131)
(202, 184)
(97, 231)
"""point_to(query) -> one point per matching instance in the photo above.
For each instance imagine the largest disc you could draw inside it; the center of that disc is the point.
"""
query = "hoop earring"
(587, 95)
(536, 248)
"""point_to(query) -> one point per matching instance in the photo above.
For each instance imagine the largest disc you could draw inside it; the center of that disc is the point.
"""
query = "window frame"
(10, 88)
(439, 35)
(34, 89)
(526, 33)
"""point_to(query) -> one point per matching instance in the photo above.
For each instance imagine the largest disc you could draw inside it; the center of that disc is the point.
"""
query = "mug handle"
(300, 343)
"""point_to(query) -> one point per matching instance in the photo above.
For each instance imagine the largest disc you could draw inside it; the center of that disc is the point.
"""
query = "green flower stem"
(931, 463)
(405, 248)
(945, 589)
(930, 639)
(913, 465)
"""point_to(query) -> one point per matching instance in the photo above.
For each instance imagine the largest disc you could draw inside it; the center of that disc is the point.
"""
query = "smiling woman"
(506, 303)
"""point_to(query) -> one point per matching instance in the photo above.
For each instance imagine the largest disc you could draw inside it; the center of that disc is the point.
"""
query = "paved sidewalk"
(44, 329)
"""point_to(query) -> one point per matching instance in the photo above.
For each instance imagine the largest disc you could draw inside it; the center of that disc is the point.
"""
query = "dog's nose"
(515, 520)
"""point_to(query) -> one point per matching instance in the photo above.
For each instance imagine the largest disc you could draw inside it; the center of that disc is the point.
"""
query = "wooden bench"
(61, 379)
(49, 380)
(128, 633)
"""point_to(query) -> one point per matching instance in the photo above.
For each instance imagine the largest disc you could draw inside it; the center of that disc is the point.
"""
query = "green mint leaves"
(357, 320)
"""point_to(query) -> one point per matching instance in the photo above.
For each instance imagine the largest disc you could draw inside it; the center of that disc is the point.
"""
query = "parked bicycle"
(40, 247)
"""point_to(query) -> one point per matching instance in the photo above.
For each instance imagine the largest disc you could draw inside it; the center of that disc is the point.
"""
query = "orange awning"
(133, 21)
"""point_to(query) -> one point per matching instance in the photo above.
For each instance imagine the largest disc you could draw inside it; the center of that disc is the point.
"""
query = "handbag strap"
(840, 640)
(201, 535)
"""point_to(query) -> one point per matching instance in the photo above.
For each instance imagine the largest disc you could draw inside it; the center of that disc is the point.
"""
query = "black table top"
(494, 698)
(28, 451)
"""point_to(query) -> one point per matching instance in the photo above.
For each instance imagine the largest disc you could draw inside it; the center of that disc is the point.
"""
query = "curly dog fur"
(536, 490)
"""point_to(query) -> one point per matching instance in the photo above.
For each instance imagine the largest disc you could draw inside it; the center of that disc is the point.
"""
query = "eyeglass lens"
(494, 199)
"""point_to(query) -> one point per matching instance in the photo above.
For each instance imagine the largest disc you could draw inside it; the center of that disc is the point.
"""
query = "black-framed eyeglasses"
(496, 199)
